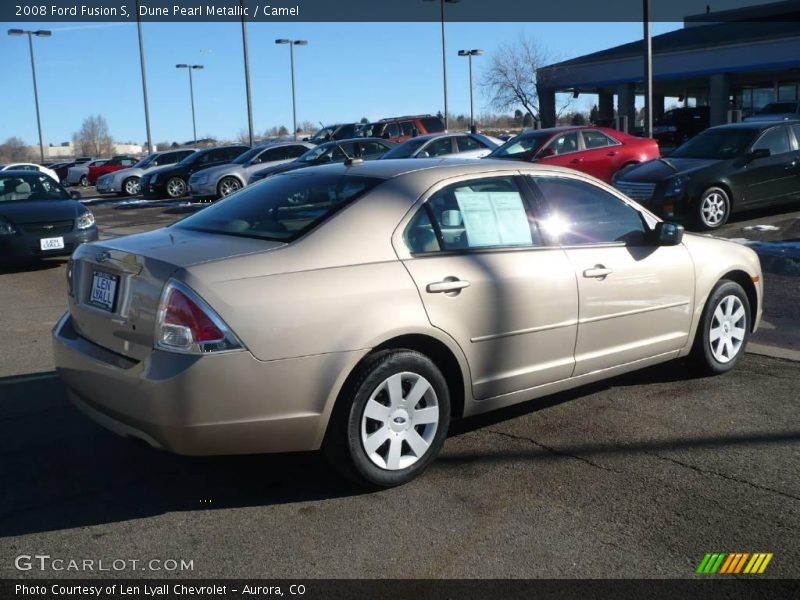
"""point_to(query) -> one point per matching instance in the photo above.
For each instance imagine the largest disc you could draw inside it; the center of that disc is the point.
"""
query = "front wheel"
(228, 185)
(713, 209)
(176, 187)
(724, 329)
(131, 186)
(391, 421)
(84, 181)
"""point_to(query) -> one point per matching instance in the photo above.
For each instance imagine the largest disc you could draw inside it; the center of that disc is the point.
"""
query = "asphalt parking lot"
(638, 476)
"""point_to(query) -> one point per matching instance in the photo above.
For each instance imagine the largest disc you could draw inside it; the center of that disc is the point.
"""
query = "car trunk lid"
(116, 285)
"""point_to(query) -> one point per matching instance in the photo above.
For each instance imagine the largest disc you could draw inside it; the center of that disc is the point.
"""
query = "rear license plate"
(104, 290)
(54, 243)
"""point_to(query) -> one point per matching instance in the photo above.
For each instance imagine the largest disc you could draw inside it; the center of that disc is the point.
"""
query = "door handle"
(576, 160)
(612, 153)
(597, 272)
(450, 285)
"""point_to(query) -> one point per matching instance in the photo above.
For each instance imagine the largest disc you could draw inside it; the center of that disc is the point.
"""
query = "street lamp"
(246, 52)
(292, 44)
(470, 54)
(144, 81)
(191, 96)
(444, 53)
(30, 34)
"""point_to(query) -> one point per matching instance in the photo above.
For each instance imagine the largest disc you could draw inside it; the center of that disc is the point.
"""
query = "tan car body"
(310, 311)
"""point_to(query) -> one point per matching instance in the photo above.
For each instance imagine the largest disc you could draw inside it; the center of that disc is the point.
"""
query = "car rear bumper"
(228, 403)
(27, 246)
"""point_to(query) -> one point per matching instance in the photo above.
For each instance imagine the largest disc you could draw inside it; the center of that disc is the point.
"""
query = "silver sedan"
(223, 180)
(442, 145)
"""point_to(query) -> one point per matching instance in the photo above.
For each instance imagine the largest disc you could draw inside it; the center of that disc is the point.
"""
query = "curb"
(773, 351)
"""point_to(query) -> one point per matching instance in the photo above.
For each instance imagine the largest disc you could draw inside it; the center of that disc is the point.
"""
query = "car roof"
(757, 125)
(20, 173)
(446, 167)
(354, 139)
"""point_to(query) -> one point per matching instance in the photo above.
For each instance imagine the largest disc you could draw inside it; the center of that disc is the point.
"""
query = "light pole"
(292, 44)
(30, 34)
(144, 81)
(191, 97)
(469, 54)
(648, 70)
(444, 53)
(246, 52)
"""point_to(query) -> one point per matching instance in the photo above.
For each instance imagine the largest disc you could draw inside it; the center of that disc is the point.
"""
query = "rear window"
(282, 208)
(432, 124)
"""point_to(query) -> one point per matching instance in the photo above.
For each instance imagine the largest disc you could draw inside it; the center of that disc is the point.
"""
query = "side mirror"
(255, 161)
(758, 153)
(424, 154)
(545, 152)
(668, 234)
(75, 195)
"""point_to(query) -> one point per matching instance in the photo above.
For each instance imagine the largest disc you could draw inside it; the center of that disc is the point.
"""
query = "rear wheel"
(724, 329)
(713, 209)
(131, 186)
(84, 181)
(391, 421)
(228, 185)
(176, 187)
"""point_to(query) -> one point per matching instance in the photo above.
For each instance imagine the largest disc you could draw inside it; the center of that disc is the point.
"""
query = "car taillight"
(187, 324)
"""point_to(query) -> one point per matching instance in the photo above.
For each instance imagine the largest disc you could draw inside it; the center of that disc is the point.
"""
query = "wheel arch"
(234, 175)
(746, 281)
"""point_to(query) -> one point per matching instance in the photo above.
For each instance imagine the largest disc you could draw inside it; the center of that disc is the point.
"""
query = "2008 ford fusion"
(357, 308)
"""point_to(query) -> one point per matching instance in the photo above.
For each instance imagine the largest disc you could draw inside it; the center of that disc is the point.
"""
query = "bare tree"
(162, 146)
(94, 139)
(14, 150)
(510, 80)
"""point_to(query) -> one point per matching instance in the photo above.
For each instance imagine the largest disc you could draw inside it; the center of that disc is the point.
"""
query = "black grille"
(47, 228)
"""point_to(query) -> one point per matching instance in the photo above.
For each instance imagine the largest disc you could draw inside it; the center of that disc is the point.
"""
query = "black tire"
(130, 182)
(84, 181)
(703, 352)
(713, 209)
(227, 186)
(343, 446)
(176, 187)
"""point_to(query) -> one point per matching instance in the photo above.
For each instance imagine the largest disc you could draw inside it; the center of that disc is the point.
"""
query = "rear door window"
(481, 213)
(466, 143)
(408, 129)
(595, 139)
(440, 147)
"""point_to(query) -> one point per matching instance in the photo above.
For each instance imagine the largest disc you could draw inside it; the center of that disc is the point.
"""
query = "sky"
(348, 71)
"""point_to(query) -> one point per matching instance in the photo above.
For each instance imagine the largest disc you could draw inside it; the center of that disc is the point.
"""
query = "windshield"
(406, 149)
(145, 162)
(323, 133)
(281, 208)
(192, 157)
(523, 146)
(777, 108)
(718, 144)
(314, 154)
(247, 156)
(30, 187)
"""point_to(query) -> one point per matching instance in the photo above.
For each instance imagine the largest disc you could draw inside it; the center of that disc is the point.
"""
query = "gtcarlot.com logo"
(734, 563)
(45, 562)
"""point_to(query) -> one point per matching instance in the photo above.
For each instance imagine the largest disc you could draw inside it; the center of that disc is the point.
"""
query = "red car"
(115, 164)
(597, 151)
(400, 129)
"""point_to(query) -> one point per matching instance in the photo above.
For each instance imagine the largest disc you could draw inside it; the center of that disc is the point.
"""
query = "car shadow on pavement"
(24, 266)
(60, 470)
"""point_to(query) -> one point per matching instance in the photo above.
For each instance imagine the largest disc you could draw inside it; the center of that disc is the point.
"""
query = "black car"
(340, 131)
(171, 181)
(679, 124)
(39, 218)
(332, 152)
(723, 170)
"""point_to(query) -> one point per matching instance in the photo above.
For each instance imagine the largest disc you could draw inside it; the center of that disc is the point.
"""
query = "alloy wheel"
(228, 186)
(132, 186)
(84, 181)
(400, 420)
(713, 209)
(176, 187)
(727, 329)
